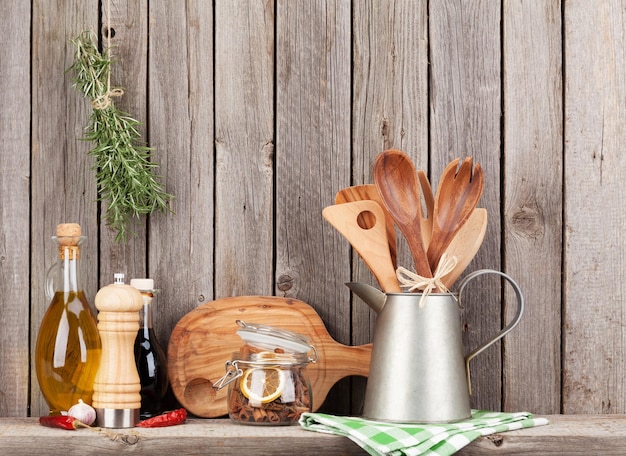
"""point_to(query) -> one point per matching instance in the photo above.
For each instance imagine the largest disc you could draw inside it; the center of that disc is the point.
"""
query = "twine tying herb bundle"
(124, 172)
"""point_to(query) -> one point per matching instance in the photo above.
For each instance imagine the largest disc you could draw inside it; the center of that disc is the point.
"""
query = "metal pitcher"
(418, 373)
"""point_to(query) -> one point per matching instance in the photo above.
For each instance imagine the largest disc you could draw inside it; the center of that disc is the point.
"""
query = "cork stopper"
(68, 233)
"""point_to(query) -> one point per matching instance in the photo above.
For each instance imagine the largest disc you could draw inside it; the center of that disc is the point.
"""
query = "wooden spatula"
(369, 192)
(369, 242)
(466, 243)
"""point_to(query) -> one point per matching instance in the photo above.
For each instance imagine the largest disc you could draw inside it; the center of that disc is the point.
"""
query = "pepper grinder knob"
(117, 387)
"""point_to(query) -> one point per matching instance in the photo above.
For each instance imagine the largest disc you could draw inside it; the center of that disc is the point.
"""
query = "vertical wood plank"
(244, 123)
(129, 22)
(63, 183)
(14, 214)
(313, 157)
(389, 111)
(595, 206)
(533, 126)
(181, 130)
(465, 121)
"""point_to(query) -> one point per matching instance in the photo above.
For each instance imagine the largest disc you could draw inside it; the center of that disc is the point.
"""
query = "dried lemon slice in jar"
(262, 384)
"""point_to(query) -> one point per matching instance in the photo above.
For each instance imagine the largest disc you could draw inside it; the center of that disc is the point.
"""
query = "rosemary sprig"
(124, 172)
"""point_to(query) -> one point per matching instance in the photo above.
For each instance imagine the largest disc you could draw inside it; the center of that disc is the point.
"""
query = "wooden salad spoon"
(457, 195)
(397, 183)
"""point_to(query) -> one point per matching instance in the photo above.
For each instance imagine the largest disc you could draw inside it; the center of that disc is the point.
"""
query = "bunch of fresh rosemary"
(124, 172)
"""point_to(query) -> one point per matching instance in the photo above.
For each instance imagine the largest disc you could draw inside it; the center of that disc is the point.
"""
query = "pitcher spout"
(370, 295)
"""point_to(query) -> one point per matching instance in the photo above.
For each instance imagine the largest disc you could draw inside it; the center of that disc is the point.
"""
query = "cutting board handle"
(351, 360)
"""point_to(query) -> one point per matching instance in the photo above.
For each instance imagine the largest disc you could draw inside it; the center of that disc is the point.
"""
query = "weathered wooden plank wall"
(14, 220)
(260, 111)
(389, 110)
(465, 100)
(594, 209)
(532, 196)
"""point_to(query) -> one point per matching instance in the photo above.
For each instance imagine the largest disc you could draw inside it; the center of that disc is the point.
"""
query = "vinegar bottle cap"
(142, 284)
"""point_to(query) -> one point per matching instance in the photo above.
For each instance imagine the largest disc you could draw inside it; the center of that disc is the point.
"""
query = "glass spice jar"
(267, 379)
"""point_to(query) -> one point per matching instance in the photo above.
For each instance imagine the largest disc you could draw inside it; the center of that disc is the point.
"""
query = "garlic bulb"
(84, 413)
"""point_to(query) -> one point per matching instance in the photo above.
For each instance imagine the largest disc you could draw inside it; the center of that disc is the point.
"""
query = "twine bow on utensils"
(413, 281)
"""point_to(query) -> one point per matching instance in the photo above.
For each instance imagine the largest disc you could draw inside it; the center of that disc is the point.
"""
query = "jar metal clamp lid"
(293, 349)
(270, 338)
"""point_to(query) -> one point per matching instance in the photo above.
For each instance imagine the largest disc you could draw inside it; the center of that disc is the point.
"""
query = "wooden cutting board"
(204, 339)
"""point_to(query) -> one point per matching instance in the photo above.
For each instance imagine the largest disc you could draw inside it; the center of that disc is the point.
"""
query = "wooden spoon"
(457, 196)
(369, 192)
(397, 182)
(429, 203)
(465, 244)
(369, 242)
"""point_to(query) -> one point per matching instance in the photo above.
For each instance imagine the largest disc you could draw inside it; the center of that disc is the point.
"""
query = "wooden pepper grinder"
(116, 395)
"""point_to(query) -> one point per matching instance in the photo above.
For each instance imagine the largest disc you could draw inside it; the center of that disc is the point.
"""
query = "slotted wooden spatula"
(369, 242)
(369, 192)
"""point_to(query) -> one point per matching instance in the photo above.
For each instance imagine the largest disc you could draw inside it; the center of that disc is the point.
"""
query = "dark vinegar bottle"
(149, 356)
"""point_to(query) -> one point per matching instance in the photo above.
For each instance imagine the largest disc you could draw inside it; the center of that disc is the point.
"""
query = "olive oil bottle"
(67, 354)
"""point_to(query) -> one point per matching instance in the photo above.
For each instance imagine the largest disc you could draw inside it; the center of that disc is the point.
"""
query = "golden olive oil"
(68, 351)
(67, 354)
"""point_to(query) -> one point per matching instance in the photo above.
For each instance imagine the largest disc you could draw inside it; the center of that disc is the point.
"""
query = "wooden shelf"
(566, 434)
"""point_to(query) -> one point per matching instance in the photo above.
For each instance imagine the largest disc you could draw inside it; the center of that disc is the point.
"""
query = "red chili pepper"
(166, 419)
(61, 422)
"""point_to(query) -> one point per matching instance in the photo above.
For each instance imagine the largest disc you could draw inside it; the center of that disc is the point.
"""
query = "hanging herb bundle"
(124, 172)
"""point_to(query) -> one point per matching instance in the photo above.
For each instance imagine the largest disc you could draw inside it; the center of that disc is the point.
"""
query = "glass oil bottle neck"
(69, 267)
(64, 275)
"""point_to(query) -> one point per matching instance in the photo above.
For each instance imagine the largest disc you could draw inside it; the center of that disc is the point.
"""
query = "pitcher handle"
(513, 323)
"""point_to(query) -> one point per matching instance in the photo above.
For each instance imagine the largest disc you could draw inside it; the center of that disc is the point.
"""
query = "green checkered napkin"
(392, 439)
